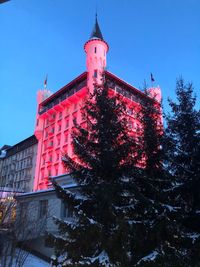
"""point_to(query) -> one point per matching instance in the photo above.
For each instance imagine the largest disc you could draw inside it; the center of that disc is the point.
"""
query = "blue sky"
(39, 37)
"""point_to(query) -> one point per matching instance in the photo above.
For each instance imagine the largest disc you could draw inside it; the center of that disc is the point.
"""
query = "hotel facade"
(57, 112)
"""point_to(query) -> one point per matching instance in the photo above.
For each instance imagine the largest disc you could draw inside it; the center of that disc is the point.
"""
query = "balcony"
(64, 96)
(51, 132)
(48, 162)
(52, 118)
(50, 145)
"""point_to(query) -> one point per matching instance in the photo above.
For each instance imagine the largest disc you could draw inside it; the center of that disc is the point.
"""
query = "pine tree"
(99, 234)
(152, 131)
(183, 143)
(161, 234)
(121, 212)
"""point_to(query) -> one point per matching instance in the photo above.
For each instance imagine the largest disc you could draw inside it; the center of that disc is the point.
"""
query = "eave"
(64, 88)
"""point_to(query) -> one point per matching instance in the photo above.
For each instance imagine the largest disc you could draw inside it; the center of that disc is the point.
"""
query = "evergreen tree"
(161, 240)
(99, 233)
(183, 146)
(121, 211)
(152, 130)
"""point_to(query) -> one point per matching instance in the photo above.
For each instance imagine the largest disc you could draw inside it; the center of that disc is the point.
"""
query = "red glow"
(56, 114)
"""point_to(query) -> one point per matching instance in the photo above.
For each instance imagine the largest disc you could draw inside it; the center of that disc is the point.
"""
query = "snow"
(103, 259)
(33, 261)
(150, 257)
(193, 236)
(92, 221)
(170, 208)
(135, 222)
(70, 185)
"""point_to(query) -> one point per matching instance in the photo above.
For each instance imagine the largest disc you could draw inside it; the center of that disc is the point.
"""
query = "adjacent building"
(17, 166)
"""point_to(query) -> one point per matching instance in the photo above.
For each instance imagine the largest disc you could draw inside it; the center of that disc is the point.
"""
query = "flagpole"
(45, 82)
(152, 81)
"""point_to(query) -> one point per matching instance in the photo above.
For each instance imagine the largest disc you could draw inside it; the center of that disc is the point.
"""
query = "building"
(35, 212)
(17, 166)
(57, 112)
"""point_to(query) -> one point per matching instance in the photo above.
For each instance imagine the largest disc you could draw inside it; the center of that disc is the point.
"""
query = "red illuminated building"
(57, 112)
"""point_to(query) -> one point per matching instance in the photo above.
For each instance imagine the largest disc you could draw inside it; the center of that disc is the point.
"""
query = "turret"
(96, 50)
(155, 92)
(41, 96)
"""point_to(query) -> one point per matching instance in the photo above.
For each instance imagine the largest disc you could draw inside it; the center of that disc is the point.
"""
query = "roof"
(122, 82)
(32, 140)
(5, 147)
(43, 192)
(96, 33)
(65, 88)
(80, 82)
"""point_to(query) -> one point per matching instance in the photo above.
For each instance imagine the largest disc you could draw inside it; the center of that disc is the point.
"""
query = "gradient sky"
(47, 36)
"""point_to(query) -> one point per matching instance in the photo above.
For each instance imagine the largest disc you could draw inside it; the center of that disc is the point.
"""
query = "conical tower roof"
(96, 33)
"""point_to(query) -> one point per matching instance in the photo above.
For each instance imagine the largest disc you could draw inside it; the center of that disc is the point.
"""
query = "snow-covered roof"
(46, 191)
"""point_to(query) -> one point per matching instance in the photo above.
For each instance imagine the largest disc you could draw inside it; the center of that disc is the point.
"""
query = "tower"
(57, 113)
(96, 51)
(39, 131)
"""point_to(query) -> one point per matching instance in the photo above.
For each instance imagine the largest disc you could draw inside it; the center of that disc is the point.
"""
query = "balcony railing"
(58, 99)
(125, 91)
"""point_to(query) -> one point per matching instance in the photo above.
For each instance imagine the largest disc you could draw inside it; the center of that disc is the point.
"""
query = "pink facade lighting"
(56, 112)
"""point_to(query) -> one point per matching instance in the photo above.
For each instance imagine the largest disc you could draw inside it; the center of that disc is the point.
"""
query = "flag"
(45, 82)
(152, 78)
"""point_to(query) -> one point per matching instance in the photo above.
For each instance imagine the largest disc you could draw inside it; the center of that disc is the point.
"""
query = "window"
(13, 214)
(1, 215)
(95, 50)
(67, 124)
(74, 120)
(23, 208)
(51, 143)
(130, 124)
(49, 172)
(66, 210)
(52, 130)
(43, 208)
(129, 111)
(95, 73)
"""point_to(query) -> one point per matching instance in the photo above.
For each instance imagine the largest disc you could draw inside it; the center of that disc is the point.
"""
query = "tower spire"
(96, 51)
(96, 33)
